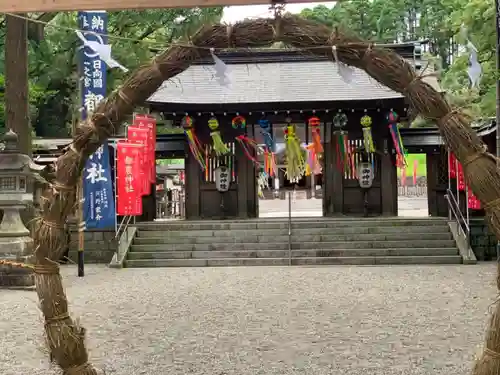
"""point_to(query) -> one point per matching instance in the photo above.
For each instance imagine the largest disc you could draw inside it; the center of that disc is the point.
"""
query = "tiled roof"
(273, 81)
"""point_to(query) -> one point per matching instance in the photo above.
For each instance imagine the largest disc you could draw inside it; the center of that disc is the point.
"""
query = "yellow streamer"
(219, 146)
(295, 163)
(366, 123)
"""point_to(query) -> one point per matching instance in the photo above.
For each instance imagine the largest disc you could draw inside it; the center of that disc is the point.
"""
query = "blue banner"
(99, 207)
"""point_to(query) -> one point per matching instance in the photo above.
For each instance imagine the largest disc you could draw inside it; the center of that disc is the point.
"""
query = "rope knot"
(46, 269)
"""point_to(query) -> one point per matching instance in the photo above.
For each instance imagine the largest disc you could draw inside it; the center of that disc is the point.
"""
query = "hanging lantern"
(314, 123)
(239, 122)
(194, 143)
(218, 144)
(366, 123)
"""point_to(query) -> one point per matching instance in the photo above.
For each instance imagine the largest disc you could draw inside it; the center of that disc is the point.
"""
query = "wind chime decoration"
(194, 143)
(269, 147)
(392, 119)
(341, 141)
(295, 163)
(366, 123)
(218, 144)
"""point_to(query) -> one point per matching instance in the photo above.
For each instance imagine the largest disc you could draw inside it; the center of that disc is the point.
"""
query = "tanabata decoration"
(313, 165)
(269, 147)
(194, 143)
(262, 183)
(239, 122)
(314, 124)
(392, 119)
(250, 147)
(366, 123)
(472, 201)
(295, 163)
(218, 144)
(341, 141)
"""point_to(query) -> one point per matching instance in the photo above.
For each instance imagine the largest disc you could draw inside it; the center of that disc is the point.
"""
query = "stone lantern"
(16, 173)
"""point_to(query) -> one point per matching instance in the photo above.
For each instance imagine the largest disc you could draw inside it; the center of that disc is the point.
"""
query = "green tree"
(53, 56)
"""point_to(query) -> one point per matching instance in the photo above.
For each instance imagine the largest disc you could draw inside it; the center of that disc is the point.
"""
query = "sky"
(238, 13)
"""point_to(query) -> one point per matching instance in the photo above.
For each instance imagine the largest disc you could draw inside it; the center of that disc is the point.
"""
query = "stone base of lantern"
(11, 276)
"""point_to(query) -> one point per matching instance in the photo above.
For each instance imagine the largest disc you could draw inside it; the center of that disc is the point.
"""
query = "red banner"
(452, 165)
(128, 169)
(149, 122)
(403, 176)
(460, 178)
(472, 201)
(141, 136)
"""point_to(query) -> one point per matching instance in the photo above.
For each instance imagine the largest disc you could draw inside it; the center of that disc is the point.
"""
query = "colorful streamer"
(313, 165)
(314, 124)
(392, 119)
(295, 163)
(218, 144)
(194, 143)
(265, 128)
(249, 147)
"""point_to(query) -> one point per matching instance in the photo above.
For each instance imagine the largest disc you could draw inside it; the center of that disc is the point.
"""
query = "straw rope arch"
(65, 338)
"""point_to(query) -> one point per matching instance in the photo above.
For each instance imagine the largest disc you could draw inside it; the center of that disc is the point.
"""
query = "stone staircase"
(314, 241)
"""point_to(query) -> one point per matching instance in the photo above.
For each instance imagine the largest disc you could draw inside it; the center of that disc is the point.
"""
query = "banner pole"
(81, 231)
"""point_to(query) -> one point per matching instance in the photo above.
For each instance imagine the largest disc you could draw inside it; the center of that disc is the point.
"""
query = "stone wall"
(483, 242)
(99, 245)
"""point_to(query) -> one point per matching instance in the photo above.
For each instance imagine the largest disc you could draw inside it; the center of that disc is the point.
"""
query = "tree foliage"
(439, 22)
(53, 57)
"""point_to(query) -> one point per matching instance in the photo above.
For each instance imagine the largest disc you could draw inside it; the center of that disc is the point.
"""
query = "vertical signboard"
(128, 184)
(141, 136)
(149, 122)
(99, 205)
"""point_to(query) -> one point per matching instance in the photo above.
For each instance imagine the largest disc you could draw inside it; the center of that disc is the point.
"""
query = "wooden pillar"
(389, 184)
(432, 174)
(333, 182)
(16, 80)
(192, 195)
(243, 182)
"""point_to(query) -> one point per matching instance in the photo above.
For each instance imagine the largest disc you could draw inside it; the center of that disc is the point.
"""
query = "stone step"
(295, 246)
(257, 237)
(295, 253)
(277, 224)
(298, 261)
(295, 231)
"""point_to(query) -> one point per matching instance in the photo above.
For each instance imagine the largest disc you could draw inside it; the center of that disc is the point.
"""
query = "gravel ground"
(250, 321)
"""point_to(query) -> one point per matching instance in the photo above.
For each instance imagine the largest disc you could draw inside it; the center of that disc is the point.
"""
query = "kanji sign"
(99, 209)
(222, 178)
(365, 175)
(92, 68)
(128, 184)
(141, 136)
(149, 122)
(99, 204)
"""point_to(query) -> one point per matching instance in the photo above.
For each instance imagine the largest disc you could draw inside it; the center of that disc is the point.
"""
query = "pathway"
(250, 321)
